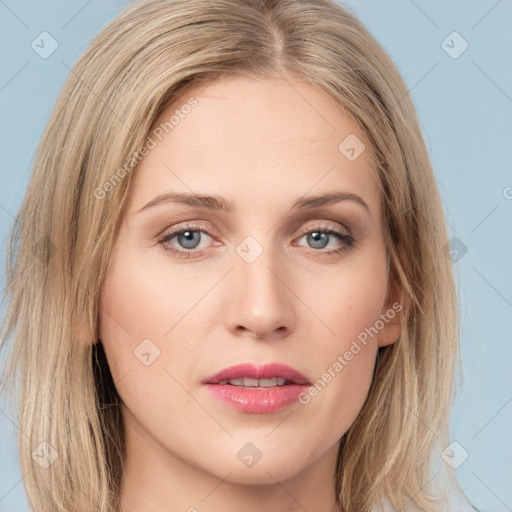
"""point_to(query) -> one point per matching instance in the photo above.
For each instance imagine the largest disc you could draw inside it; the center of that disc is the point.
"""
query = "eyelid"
(335, 226)
(205, 226)
(331, 228)
(192, 225)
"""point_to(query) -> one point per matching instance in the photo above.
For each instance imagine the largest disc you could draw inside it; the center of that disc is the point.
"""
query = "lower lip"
(257, 400)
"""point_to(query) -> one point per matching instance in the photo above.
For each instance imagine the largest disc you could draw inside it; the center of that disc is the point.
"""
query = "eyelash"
(348, 240)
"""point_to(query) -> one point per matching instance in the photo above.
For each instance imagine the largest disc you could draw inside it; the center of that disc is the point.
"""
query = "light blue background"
(465, 107)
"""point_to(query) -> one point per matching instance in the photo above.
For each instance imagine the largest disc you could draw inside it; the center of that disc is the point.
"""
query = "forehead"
(263, 137)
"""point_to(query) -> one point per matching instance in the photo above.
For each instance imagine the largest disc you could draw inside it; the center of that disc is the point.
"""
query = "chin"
(262, 473)
(251, 465)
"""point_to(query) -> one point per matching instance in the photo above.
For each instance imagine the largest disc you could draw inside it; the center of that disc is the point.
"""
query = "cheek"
(350, 300)
(350, 306)
(140, 300)
(147, 336)
(149, 369)
(137, 310)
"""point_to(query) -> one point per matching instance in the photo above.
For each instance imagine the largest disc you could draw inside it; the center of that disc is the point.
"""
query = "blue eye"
(320, 236)
(190, 236)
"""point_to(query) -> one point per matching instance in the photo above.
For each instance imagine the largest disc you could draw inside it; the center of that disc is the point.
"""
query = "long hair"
(65, 231)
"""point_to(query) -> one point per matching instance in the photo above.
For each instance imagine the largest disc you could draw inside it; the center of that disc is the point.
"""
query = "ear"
(391, 315)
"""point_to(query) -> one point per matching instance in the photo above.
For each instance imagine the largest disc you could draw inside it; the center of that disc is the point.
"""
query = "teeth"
(268, 383)
(247, 382)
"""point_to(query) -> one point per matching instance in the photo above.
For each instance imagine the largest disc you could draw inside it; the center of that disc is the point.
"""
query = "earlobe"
(391, 316)
(390, 332)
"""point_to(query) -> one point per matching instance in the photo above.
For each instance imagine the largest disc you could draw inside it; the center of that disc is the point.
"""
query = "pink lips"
(257, 400)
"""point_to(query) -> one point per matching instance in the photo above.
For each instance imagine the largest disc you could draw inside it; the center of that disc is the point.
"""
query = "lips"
(251, 373)
(257, 389)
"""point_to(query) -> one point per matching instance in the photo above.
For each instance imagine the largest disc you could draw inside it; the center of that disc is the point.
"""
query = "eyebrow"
(220, 204)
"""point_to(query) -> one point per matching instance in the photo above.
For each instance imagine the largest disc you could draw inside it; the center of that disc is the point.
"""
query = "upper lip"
(267, 371)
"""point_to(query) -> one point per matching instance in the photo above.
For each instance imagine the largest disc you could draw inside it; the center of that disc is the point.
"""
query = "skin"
(261, 144)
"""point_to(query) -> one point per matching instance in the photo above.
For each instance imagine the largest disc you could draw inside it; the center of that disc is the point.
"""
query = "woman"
(228, 283)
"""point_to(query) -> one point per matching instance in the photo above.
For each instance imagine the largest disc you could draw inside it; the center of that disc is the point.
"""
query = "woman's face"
(270, 272)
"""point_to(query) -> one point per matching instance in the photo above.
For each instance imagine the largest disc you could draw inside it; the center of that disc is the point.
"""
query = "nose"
(261, 303)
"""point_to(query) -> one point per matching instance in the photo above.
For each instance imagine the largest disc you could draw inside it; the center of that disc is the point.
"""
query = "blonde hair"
(60, 245)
